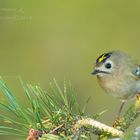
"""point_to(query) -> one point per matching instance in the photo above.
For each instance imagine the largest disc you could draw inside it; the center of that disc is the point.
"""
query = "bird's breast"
(118, 87)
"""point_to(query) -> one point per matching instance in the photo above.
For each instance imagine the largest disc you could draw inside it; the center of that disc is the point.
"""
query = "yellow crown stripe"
(102, 58)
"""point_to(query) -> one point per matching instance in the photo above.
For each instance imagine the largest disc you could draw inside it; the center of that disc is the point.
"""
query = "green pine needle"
(54, 106)
(55, 113)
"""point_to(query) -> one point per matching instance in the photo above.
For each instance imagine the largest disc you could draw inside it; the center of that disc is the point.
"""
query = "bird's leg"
(120, 109)
(119, 114)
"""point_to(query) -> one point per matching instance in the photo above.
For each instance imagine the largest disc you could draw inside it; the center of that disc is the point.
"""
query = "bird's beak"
(96, 71)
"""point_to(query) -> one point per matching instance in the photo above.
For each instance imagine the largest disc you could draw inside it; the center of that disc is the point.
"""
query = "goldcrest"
(118, 74)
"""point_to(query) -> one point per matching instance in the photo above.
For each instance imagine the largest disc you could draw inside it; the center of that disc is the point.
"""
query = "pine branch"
(55, 114)
(98, 128)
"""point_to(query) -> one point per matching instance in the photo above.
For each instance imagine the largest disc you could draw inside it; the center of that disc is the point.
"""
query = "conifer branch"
(54, 114)
(98, 128)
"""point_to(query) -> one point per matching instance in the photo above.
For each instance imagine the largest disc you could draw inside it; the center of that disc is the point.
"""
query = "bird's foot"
(116, 122)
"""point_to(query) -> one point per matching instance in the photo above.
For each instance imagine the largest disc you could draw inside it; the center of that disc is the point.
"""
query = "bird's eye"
(108, 65)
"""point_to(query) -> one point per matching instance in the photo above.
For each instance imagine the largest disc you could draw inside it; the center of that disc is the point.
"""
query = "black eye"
(108, 65)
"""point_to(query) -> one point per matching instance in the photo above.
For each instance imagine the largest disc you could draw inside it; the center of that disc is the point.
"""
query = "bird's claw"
(116, 122)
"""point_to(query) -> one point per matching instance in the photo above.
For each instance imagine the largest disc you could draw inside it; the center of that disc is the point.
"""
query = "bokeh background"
(43, 39)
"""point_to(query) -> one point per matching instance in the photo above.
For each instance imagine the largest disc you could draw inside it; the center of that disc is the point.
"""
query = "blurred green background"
(50, 38)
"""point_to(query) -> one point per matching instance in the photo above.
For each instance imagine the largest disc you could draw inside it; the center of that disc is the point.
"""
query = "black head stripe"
(102, 58)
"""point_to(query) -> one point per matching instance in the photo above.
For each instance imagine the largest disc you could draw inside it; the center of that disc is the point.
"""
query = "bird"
(119, 75)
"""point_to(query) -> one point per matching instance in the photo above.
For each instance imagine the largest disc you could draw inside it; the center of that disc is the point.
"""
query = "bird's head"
(112, 63)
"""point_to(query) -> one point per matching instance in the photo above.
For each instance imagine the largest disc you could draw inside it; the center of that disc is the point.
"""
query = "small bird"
(119, 75)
